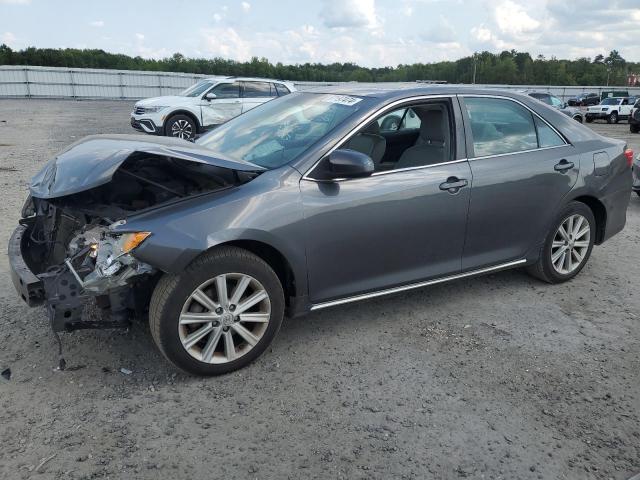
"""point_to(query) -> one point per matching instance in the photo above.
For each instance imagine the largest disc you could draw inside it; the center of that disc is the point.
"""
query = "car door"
(394, 228)
(225, 106)
(522, 168)
(256, 93)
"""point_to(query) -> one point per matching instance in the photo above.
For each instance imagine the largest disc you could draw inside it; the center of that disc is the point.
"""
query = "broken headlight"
(112, 253)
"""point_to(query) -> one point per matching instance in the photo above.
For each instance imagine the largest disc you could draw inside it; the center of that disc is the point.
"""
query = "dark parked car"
(555, 102)
(634, 117)
(310, 201)
(584, 100)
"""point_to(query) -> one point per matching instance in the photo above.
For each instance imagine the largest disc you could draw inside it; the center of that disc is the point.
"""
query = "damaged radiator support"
(66, 303)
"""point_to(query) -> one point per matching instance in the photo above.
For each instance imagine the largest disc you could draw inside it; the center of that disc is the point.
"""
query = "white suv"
(206, 104)
(611, 109)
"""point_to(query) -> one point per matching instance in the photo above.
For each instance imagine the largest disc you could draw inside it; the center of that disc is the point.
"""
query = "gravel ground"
(492, 377)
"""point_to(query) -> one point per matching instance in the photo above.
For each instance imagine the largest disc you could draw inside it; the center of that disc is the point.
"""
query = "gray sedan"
(307, 202)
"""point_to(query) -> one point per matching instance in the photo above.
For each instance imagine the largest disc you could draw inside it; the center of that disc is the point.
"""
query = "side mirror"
(346, 163)
(210, 96)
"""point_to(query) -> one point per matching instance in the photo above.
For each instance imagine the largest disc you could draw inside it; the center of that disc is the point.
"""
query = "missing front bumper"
(61, 290)
(29, 286)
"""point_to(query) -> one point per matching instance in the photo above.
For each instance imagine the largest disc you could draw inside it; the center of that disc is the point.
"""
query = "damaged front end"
(69, 258)
(66, 251)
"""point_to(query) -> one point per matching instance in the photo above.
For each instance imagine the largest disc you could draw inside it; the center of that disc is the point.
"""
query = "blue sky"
(368, 32)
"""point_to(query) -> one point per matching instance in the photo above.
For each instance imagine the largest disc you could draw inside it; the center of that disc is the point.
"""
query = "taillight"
(629, 154)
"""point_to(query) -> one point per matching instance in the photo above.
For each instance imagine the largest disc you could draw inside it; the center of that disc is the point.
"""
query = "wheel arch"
(599, 212)
(274, 258)
(182, 111)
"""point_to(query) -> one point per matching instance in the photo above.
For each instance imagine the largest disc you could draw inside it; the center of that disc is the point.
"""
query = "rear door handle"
(563, 166)
(453, 184)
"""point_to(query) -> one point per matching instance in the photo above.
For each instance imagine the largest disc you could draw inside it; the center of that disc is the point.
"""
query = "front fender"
(267, 210)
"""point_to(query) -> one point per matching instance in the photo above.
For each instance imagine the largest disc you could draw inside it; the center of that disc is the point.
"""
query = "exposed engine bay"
(69, 244)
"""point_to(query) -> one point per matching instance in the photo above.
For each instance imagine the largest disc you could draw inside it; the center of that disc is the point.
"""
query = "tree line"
(508, 67)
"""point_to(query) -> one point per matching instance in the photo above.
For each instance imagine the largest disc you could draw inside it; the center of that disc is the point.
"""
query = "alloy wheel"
(182, 129)
(570, 244)
(224, 318)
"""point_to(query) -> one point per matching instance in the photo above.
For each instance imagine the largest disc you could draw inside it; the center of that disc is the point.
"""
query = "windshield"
(197, 89)
(610, 101)
(278, 131)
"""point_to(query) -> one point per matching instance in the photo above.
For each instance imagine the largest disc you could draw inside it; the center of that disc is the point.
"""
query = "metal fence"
(89, 83)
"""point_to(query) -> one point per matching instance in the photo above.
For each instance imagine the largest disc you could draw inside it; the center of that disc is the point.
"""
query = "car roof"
(390, 91)
(246, 79)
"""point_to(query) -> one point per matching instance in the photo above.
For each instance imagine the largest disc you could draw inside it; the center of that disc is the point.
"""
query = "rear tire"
(588, 119)
(634, 128)
(552, 266)
(213, 340)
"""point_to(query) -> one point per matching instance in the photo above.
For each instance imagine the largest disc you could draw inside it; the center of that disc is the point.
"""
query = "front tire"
(634, 128)
(568, 245)
(612, 118)
(219, 314)
(588, 119)
(181, 126)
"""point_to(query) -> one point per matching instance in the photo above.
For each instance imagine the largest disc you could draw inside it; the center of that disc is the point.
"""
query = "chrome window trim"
(419, 167)
(518, 152)
(386, 172)
(502, 97)
(388, 291)
(363, 123)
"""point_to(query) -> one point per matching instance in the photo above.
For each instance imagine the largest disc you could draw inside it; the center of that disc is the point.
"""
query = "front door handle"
(563, 166)
(453, 184)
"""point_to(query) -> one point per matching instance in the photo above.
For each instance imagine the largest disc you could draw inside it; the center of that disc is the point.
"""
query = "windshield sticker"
(342, 100)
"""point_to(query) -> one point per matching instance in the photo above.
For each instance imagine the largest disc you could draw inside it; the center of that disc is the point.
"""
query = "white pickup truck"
(611, 109)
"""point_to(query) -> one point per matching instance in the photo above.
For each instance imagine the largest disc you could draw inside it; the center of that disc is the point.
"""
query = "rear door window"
(500, 126)
(258, 90)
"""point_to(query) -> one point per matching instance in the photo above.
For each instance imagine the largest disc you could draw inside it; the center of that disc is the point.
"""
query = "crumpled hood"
(92, 161)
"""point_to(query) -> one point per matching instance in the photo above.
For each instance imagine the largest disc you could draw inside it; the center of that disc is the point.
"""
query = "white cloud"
(7, 38)
(442, 32)
(349, 13)
(246, 6)
(217, 17)
(225, 42)
(512, 19)
(15, 2)
(97, 23)
(140, 36)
